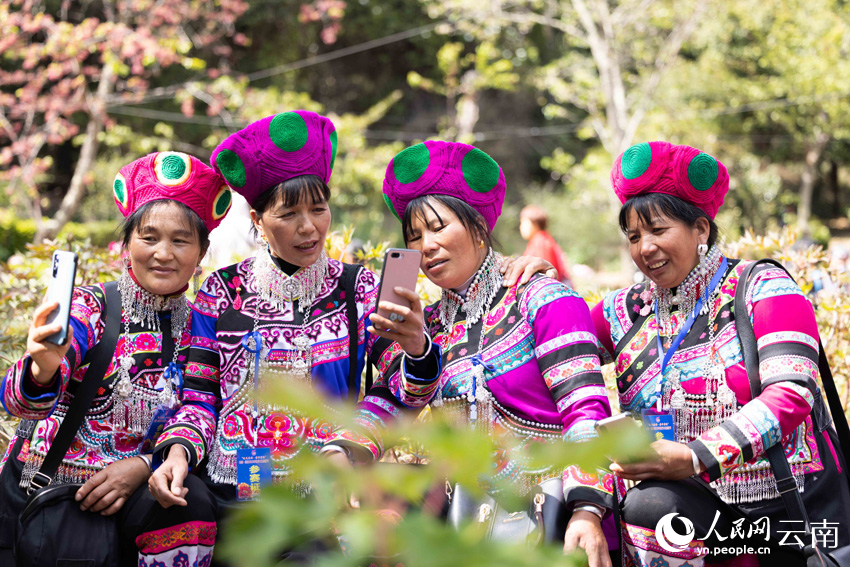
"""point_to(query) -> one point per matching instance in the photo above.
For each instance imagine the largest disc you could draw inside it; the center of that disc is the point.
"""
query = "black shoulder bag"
(785, 482)
(52, 530)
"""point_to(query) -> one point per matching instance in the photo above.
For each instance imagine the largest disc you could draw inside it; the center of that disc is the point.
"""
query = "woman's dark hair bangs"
(471, 219)
(132, 223)
(292, 192)
(649, 205)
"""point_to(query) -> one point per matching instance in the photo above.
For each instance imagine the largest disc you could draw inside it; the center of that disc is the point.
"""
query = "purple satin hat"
(175, 176)
(446, 168)
(276, 148)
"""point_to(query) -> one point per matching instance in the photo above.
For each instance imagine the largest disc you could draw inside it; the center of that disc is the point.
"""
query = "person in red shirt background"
(533, 221)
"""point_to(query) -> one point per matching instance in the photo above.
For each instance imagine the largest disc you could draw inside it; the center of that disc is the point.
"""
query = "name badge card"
(253, 470)
(161, 416)
(661, 425)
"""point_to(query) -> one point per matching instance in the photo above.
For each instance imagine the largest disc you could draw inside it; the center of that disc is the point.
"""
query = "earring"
(702, 250)
(126, 262)
(195, 277)
(481, 245)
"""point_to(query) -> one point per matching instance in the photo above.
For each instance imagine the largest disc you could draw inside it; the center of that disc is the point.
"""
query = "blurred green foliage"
(282, 520)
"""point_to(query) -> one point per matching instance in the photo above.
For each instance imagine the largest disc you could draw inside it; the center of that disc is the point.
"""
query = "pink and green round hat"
(682, 171)
(446, 168)
(274, 149)
(175, 176)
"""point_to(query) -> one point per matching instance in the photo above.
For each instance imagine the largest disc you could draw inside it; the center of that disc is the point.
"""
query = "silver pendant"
(300, 366)
(124, 388)
(677, 399)
(725, 395)
(301, 342)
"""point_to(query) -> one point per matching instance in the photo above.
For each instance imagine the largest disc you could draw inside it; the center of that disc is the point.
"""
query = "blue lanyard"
(258, 345)
(689, 322)
(174, 373)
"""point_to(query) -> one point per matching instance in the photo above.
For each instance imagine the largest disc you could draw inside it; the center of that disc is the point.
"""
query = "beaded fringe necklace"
(475, 304)
(133, 406)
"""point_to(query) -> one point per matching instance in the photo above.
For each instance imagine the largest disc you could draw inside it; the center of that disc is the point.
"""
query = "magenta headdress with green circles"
(446, 168)
(175, 176)
(274, 149)
(681, 171)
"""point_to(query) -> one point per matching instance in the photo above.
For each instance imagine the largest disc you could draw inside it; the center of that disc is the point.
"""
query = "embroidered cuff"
(32, 390)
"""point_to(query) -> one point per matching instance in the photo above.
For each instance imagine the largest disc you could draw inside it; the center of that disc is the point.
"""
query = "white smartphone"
(401, 268)
(613, 423)
(61, 287)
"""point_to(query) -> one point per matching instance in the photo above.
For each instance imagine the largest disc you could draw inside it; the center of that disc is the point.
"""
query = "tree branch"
(88, 152)
(666, 58)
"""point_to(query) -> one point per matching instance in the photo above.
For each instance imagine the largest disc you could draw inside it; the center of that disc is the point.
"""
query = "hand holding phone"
(399, 317)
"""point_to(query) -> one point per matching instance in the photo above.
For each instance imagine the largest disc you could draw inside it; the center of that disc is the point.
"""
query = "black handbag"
(544, 521)
(785, 482)
(52, 530)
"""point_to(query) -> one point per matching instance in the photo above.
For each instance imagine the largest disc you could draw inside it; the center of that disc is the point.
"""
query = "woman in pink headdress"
(679, 364)
(520, 362)
(171, 202)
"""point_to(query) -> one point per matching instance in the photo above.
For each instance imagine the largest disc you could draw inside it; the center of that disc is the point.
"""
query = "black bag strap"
(350, 272)
(786, 484)
(101, 355)
(747, 336)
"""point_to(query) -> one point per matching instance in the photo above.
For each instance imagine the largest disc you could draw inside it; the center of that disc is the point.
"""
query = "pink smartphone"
(401, 268)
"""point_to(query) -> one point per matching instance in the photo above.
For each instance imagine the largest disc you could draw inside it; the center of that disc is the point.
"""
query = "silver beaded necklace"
(476, 303)
(132, 406)
(279, 289)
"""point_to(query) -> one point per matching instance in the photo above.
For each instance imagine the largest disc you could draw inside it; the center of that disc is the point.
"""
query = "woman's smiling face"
(665, 249)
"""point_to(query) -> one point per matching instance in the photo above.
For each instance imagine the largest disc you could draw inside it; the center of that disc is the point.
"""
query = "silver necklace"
(687, 292)
(132, 406)
(479, 297)
(276, 287)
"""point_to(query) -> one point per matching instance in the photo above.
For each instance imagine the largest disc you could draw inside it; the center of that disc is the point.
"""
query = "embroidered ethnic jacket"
(98, 443)
(216, 417)
(545, 377)
(787, 335)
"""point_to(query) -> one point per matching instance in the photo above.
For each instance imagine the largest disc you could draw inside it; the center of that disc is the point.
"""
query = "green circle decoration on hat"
(636, 160)
(288, 131)
(410, 163)
(390, 205)
(703, 171)
(222, 202)
(480, 171)
(172, 168)
(119, 188)
(333, 149)
(231, 168)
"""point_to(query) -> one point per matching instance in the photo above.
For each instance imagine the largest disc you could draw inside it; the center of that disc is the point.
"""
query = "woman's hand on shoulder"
(408, 329)
(521, 269)
(672, 461)
(585, 531)
(46, 356)
(108, 490)
(166, 482)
